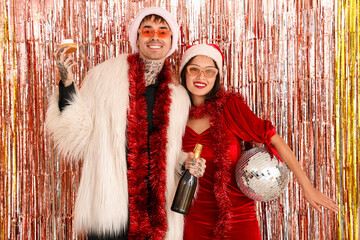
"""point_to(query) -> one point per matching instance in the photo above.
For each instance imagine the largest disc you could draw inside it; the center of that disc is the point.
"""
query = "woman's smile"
(200, 85)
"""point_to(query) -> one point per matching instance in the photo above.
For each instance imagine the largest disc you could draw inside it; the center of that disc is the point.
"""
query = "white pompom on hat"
(209, 50)
(162, 12)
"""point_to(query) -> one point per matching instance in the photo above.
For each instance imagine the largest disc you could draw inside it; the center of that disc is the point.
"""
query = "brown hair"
(216, 88)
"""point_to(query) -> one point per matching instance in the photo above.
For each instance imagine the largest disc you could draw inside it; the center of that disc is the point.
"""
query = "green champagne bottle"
(186, 188)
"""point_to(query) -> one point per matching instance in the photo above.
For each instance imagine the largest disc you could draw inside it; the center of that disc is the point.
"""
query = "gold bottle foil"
(197, 150)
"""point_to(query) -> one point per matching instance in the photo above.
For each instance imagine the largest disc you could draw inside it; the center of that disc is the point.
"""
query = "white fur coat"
(93, 128)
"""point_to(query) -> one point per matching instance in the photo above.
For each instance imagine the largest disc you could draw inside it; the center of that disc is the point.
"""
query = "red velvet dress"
(202, 218)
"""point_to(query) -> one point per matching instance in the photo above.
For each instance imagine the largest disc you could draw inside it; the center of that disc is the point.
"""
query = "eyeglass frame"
(151, 29)
(202, 70)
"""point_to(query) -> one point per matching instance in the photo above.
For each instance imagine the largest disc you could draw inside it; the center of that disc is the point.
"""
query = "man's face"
(153, 48)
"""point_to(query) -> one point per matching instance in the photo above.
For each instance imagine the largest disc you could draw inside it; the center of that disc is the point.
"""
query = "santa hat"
(209, 50)
(162, 12)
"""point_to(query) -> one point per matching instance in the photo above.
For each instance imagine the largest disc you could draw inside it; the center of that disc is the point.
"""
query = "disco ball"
(259, 176)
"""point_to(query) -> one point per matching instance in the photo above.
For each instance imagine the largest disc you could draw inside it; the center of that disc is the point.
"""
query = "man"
(126, 123)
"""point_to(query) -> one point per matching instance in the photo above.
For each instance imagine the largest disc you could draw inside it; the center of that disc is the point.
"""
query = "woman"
(220, 121)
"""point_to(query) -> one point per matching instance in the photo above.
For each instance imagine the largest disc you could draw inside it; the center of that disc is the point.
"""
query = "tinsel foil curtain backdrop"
(296, 62)
(347, 116)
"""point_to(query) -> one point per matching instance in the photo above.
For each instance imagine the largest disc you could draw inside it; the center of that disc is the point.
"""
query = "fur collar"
(147, 222)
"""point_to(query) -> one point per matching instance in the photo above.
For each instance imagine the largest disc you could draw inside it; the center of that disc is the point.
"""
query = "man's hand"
(196, 166)
(65, 65)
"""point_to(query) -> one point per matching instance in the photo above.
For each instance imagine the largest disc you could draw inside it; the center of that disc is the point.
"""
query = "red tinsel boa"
(209, 107)
(147, 214)
(214, 109)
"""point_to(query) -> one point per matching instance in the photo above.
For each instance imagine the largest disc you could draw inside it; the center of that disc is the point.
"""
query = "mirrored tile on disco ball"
(259, 176)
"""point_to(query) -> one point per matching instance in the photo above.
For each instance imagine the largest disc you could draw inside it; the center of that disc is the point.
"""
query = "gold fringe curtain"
(294, 61)
(347, 110)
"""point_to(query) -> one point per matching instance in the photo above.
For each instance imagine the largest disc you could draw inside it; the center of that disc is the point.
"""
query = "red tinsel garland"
(214, 109)
(147, 215)
(158, 141)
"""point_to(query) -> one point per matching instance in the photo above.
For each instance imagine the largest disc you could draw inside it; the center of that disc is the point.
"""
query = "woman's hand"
(196, 166)
(317, 199)
(313, 196)
(65, 65)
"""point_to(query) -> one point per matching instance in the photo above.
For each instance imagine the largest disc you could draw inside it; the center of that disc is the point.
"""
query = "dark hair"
(216, 88)
(157, 18)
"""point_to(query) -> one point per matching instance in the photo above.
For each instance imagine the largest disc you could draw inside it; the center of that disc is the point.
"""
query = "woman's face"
(200, 77)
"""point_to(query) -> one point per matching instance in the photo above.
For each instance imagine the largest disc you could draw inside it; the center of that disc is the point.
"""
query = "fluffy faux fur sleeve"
(73, 128)
(70, 128)
(178, 119)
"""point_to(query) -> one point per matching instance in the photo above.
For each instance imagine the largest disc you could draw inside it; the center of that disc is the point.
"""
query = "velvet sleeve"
(239, 118)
